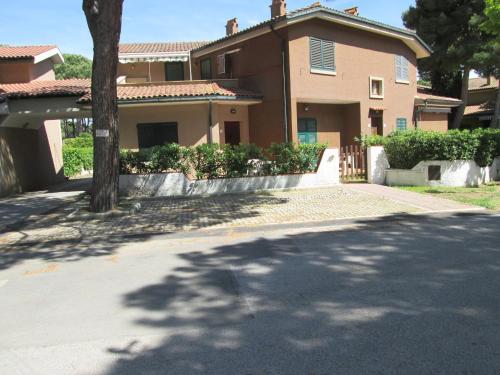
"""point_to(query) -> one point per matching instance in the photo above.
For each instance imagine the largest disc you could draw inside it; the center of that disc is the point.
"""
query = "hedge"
(209, 161)
(405, 149)
(85, 140)
(77, 160)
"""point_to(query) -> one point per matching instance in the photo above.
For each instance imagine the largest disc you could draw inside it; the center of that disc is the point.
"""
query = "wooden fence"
(352, 163)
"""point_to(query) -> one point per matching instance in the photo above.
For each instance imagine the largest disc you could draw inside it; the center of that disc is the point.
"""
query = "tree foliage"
(75, 66)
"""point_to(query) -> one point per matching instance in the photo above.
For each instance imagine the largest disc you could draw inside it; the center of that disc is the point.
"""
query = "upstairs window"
(206, 69)
(322, 56)
(402, 70)
(221, 64)
(174, 71)
(376, 88)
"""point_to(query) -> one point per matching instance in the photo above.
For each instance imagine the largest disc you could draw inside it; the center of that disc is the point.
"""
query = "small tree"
(104, 22)
(75, 66)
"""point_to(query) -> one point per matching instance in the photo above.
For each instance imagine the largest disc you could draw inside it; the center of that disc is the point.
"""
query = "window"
(174, 71)
(322, 55)
(221, 64)
(401, 124)
(150, 135)
(402, 72)
(376, 88)
(206, 69)
(308, 131)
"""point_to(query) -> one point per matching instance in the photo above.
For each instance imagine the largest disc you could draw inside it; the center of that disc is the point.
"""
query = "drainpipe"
(285, 88)
(190, 67)
(209, 133)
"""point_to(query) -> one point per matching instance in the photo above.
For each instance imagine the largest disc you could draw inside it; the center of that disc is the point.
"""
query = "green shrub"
(238, 159)
(85, 140)
(169, 158)
(290, 158)
(406, 149)
(77, 160)
(371, 140)
(207, 161)
(136, 161)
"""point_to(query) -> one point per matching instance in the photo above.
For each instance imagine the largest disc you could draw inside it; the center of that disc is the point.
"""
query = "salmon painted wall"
(141, 71)
(192, 122)
(257, 65)
(22, 71)
(433, 122)
(359, 55)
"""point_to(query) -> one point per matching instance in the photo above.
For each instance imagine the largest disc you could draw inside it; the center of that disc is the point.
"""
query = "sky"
(62, 22)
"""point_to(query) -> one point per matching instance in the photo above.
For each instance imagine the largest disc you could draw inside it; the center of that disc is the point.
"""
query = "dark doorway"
(232, 131)
(377, 121)
(174, 71)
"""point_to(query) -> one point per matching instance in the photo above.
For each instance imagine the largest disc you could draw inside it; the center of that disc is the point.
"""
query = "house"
(30, 154)
(310, 75)
(481, 102)
(432, 111)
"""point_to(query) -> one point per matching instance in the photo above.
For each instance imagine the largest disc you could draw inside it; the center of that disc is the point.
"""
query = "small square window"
(376, 88)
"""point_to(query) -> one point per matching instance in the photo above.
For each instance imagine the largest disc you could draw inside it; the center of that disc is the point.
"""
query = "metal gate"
(352, 163)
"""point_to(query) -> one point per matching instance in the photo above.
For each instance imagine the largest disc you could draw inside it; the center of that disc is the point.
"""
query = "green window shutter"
(328, 50)
(401, 124)
(315, 54)
(307, 131)
(322, 54)
(206, 69)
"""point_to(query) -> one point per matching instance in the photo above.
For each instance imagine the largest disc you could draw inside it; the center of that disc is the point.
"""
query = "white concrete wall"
(177, 184)
(377, 163)
(457, 173)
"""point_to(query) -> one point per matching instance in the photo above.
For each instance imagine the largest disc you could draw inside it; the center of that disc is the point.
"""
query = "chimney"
(278, 8)
(352, 11)
(232, 26)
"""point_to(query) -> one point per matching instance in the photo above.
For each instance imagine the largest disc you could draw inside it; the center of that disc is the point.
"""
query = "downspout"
(285, 88)
(209, 133)
(190, 67)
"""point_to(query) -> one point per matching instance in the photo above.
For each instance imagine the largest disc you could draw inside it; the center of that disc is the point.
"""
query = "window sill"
(376, 96)
(403, 82)
(324, 72)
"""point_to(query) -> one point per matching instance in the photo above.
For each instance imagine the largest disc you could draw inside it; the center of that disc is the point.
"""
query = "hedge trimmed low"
(209, 161)
(405, 149)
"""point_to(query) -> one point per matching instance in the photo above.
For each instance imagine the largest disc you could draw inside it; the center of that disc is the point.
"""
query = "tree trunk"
(495, 121)
(464, 96)
(104, 22)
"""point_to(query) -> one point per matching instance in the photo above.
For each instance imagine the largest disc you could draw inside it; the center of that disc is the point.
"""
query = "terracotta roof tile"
(424, 94)
(188, 89)
(22, 52)
(482, 83)
(67, 87)
(168, 47)
(479, 108)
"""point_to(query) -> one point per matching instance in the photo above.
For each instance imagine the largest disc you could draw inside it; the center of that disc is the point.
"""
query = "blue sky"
(62, 22)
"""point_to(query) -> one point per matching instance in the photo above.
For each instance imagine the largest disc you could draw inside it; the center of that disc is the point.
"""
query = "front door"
(232, 132)
(378, 125)
(308, 130)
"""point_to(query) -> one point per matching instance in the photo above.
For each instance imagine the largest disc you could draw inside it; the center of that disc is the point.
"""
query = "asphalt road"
(416, 295)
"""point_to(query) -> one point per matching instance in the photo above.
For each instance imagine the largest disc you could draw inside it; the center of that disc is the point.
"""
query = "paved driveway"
(410, 295)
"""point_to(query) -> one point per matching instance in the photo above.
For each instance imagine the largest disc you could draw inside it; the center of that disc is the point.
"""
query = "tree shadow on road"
(415, 295)
(64, 235)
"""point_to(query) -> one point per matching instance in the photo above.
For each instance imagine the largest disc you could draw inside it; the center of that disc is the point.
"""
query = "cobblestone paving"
(166, 215)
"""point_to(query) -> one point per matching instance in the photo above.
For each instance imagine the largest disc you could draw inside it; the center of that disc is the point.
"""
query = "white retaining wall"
(457, 173)
(177, 184)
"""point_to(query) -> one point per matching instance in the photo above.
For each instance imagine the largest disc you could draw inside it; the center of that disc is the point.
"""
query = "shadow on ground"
(418, 295)
(65, 236)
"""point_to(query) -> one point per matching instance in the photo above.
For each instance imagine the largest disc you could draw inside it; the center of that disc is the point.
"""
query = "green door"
(308, 130)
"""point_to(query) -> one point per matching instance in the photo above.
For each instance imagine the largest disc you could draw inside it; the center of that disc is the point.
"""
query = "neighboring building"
(432, 111)
(481, 102)
(310, 75)
(30, 154)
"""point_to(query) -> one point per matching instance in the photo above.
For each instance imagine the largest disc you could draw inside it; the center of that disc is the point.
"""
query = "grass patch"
(487, 196)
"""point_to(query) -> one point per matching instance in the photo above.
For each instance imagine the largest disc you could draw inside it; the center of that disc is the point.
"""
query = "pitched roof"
(479, 108)
(8, 53)
(481, 83)
(335, 16)
(167, 47)
(174, 91)
(66, 87)
(424, 96)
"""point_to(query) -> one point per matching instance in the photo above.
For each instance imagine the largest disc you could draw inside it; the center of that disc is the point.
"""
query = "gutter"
(285, 86)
